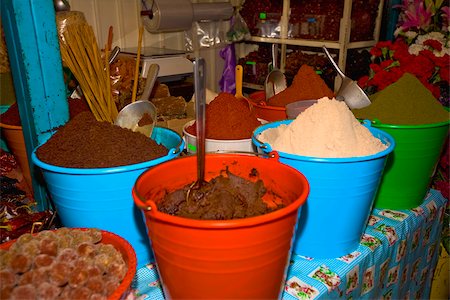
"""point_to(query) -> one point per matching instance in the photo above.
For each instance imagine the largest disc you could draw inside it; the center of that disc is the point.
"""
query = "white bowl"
(211, 145)
(295, 108)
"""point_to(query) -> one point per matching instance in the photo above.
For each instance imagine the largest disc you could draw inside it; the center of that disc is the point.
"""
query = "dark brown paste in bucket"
(84, 142)
(224, 197)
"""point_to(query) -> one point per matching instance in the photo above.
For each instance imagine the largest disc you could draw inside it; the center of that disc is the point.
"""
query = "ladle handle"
(200, 108)
(274, 56)
(114, 52)
(336, 67)
(152, 74)
(239, 77)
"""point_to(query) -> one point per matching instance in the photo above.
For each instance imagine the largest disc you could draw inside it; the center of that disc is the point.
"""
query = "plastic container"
(212, 145)
(341, 198)
(410, 169)
(128, 255)
(101, 197)
(227, 259)
(295, 108)
(16, 144)
(263, 111)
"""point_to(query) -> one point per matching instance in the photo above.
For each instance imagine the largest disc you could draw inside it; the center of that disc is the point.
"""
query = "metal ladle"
(200, 115)
(131, 115)
(353, 95)
(275, 80)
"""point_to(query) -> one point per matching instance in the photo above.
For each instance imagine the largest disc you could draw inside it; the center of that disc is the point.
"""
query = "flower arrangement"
(420, 47)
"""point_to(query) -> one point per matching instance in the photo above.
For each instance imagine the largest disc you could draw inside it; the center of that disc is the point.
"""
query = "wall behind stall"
(124, 16)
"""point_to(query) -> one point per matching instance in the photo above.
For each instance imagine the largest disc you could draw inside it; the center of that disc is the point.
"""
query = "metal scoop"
(353, 95)
(141, 115)
(275, 80)
(200, 115)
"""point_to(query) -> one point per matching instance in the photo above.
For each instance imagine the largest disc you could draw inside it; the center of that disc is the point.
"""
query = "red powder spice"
(228, 118)
(307, 85)
(12, 116)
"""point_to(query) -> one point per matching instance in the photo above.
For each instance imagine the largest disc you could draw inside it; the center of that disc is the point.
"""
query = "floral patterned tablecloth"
(396, 259)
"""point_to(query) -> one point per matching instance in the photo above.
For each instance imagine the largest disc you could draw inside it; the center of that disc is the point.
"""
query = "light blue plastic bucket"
(342, 192)
(101, 197)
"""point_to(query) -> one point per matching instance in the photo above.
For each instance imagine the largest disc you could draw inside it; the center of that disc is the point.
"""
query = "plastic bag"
(239, 30)
(228, 81)
(205, 35)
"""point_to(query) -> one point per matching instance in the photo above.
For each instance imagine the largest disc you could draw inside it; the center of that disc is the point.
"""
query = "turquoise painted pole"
(33, 50)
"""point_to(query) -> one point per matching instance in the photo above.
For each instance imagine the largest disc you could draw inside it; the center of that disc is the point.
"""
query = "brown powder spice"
(307, 85)
(85, 142)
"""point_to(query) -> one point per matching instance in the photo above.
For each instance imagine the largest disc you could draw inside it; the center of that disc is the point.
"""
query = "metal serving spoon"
(200, 114)
(275, 80)
(353, 95)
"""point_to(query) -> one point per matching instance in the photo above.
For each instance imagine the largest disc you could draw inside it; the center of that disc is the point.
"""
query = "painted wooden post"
(33, 50)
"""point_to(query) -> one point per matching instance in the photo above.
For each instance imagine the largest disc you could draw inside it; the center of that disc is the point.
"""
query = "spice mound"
(224, 197)
(325, 129)
(84, 142)
(306, 85)
(405, 102)
(228, 118)
(61, 264)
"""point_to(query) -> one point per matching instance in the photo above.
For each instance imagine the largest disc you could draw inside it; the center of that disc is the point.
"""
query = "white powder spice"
(327, 129)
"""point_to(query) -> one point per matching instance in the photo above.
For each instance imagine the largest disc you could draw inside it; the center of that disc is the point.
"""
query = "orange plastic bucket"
(263, 111)
(227, 259)
(16, 144)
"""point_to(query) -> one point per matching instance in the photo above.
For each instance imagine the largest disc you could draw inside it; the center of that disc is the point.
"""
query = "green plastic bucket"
(410, 168)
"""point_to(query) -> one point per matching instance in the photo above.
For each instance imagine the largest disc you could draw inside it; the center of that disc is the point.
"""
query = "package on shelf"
(255, 64)
(262, 17)
(363, 20)
(311, 19)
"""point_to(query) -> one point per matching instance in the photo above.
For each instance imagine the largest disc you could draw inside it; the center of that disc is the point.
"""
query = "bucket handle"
(264, 146)
(368, 123)
(150, 205)
(176, 150)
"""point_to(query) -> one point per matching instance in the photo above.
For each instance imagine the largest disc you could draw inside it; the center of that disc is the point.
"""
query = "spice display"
(307, 85)
(64, 263)
(404, 102)
(224, 197)
(228, 118)
(325, 129)
(311, 19)
(17, 214)
(85, 142)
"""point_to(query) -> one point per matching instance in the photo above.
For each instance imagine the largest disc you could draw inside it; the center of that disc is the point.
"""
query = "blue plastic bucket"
(342, 192)
(101, 197)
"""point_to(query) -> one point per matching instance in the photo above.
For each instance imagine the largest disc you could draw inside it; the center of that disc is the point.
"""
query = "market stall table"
(396, 259)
